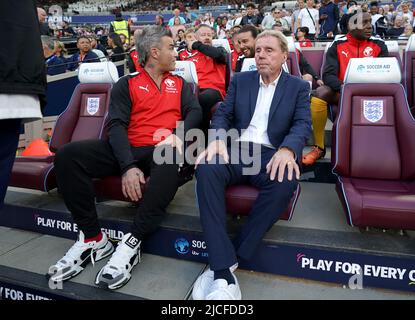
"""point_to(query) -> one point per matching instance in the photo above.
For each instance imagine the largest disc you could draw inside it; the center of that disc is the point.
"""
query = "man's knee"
(66, 155)
(210, 170)
(324, 93)
(307, 77)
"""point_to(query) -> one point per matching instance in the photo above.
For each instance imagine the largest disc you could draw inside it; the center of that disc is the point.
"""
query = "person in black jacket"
(22, 78)
(142, 105)
(250, 18)
(114, 42)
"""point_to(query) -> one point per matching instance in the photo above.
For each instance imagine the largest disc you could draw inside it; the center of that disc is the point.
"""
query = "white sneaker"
(117, 272)
(221, 290)
(204, 282)
(78, 257)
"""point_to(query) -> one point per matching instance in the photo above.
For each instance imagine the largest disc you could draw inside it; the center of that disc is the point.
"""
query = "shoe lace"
(119, 259)
(75, 252)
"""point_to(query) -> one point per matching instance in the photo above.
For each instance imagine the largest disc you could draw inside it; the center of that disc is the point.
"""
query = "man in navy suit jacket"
(270, 109)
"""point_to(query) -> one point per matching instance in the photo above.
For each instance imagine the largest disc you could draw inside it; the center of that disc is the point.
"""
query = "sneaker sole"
(119, 284)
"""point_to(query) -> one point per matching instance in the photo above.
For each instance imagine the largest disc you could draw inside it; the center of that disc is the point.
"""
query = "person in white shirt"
(294, 20)
(405, 13)
(309, 17)
(270, 112)
(276, 15)
(176, 13)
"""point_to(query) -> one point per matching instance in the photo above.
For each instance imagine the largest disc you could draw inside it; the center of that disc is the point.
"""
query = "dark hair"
(304, 30)
(374, 4)
(286, 33)
(115, 37)
(118, 15)
(249, 28)
(250, 5)
(351, 3)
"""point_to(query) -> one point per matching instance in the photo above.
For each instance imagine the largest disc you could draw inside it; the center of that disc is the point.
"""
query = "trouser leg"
(76, 165)
(9, 138)
(212, 180)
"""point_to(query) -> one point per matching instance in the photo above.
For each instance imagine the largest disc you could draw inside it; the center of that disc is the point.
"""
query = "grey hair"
(149, 38)
(276, 34)
(48, 42)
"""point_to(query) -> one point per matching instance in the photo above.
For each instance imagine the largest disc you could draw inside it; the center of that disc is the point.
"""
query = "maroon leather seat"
(315, 59)
(293, 64)
(374, 155)
(409, 72)
(240, 200)
(83, 119)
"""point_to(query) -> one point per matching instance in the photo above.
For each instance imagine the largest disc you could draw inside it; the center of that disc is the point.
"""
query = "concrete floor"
(163, 278)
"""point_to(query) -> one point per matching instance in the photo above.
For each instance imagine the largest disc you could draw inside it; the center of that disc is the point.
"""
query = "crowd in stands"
(310, 20)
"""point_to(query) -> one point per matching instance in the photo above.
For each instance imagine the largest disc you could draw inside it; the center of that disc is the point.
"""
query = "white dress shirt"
(257, 131)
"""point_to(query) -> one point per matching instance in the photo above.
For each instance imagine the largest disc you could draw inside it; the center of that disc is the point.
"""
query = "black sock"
(224, 274)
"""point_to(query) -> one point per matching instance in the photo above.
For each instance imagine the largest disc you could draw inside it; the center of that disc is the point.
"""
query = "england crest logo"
(373, 110)
(92, 106)
(170, 83)
(368, 52)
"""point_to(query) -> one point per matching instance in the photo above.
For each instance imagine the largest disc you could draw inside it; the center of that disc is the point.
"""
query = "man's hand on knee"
(215, 147)
(131, 187)
(174, 141)
(283, 158)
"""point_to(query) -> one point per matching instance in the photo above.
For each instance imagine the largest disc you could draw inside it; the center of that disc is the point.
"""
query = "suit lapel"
(253, 93)
(279, 90)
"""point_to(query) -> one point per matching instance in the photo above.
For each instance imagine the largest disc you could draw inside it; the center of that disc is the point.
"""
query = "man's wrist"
(289, 149)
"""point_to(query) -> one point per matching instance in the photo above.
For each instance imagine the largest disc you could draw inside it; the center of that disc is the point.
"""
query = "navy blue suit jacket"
(289, 121)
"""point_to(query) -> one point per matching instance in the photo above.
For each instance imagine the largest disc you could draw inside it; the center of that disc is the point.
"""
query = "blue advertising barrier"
(355, 268)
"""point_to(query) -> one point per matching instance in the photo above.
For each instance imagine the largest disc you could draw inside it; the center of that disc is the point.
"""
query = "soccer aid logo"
(182, 246)
(368, 52)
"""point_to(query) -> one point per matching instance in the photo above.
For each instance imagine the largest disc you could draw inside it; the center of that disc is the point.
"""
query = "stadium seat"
(222, 43)
(187, 70)
(229, 72)
(393, 49)
(374, 147)
(315, 59)
(409, 64)
(292, 63)
(241, 198)
(83, 119)
(110, 187)
(249, 64)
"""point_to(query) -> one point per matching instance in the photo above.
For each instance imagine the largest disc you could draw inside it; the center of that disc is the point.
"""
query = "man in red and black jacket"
(210, 67)
(358, 43)
(144, 110)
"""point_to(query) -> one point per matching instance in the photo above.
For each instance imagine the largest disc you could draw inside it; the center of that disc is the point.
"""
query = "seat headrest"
(186, 70)
(410, 45)
(328, 45)
(392, 45)
(98, 72)
(373, 70)
(338, 36)
(249, 64)
(291, 44)
(222, 43)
